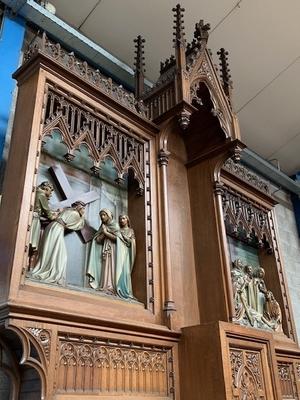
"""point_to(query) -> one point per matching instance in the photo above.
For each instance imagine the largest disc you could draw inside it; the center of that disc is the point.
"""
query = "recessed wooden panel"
(91, 365)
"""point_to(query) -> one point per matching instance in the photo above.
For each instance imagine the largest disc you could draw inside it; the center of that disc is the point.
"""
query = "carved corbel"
(184, 119)
(69, 157)
(95, 169)
(140, 191)
(163, 157)
(120, 180)
(232, 149)
(218, 188)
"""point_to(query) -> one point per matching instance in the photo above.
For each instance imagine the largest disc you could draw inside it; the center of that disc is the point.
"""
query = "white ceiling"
(262, 37)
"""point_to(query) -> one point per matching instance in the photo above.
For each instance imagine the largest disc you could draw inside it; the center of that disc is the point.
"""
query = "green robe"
(52, 257)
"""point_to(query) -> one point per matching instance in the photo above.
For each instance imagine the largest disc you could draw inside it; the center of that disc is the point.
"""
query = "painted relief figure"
(112, 256)
(124, 287)
(102, 260)
(41, 210)
(240, 283)
(254, 304)
(52, 257)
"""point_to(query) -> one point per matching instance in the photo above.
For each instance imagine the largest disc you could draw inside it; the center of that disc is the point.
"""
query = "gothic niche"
(90, 178)
(249, 240)
(208, 127)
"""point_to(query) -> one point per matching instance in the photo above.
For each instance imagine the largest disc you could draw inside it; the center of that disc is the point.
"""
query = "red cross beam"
(69, 197)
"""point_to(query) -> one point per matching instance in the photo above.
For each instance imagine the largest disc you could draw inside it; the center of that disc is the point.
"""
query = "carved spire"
(180, 57)
(179, 28)
(201, 32)
(225, 72)
(139, 66)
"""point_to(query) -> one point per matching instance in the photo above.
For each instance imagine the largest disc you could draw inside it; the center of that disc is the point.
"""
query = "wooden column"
(19, 178)
(169, 305)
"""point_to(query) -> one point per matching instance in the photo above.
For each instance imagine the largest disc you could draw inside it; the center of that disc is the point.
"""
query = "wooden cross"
(69, 196)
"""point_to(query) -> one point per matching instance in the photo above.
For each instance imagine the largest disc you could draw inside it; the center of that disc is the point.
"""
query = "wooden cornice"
(41, 61)
(18, 311)
(247, 185)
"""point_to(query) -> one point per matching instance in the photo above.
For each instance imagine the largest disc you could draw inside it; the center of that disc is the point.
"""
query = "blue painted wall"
(296, 202)
(11, 40)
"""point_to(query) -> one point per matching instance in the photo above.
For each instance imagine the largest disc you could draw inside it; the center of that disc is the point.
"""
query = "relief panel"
(93, 365)
(287, 380)
(247, 375)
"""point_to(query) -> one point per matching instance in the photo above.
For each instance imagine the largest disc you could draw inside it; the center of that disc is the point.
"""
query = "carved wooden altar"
(177, 147)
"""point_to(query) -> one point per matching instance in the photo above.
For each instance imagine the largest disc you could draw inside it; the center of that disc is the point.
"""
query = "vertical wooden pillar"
(210, 241)
(19, 179)
(169, 305)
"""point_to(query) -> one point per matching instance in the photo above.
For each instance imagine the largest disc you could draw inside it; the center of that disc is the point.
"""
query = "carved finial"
(139, 58)
(201, 31)
(226, 77)
(179, 40)
(139, 66)
(170, 62)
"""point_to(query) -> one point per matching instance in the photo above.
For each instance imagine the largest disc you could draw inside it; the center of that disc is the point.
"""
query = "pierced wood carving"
(82, 69)
(79, 125)
(91, 364)
(246, 220)
(247, 375)
(297, 366)
(287, 380)
(246, 175)
(43, 337)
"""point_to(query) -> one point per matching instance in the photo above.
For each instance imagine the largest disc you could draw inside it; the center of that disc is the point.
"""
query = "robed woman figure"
(124, 287)
(108, 265)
